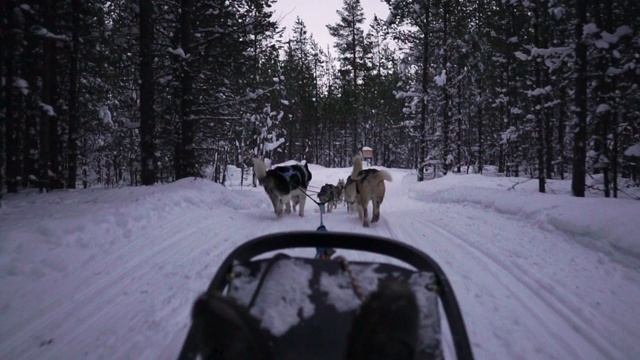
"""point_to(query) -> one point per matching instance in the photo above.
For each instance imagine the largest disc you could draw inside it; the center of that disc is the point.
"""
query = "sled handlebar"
(351, 241)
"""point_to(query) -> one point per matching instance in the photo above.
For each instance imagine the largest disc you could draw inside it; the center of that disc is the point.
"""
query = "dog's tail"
(384, 175)
(357, 167)
(260, 168)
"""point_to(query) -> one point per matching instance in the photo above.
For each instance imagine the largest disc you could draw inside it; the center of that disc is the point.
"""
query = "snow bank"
(96, 219)
(610, 226)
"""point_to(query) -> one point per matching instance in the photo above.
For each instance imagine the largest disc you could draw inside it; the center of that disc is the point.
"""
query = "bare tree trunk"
(356, 98)
(446, 115)
(548, 131)
(48, 78)
(601, 94)
(480, 135)
(32, 111)
(614, 62)
(422, 137)
(580, 122)
(186, 154)
(540, 108)
(9, 128)
(460, 130)
(147, 113)
(74, 119)
(56, 180)
(561, 139)
(614, 145)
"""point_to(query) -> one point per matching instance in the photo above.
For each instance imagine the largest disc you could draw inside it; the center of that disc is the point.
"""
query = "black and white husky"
(284, 184)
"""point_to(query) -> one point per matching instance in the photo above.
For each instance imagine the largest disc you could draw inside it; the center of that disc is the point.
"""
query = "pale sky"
(316, 14)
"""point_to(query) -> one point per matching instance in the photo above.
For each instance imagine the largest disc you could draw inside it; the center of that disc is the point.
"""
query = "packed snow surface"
(112, 273)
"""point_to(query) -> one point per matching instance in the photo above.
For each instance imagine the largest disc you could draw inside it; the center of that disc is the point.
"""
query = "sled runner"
(308, 304)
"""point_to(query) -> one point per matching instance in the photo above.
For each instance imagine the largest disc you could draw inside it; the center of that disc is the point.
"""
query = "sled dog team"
(287, 187)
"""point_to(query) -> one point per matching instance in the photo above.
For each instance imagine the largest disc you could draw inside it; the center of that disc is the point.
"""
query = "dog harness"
(290, 175)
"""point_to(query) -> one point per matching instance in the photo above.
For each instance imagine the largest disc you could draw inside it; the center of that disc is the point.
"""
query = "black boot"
(387, 325)
(226, 331)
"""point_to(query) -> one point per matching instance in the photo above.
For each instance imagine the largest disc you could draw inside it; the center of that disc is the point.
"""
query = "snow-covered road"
(100, 274)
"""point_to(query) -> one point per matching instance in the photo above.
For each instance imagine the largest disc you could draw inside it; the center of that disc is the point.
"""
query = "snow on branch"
(105, 115)
(48, 109)
(273, 145)
(40, 31)
(590, 28)
(178, 52)
(558, 12)
(612, 71)
(552, 51)
(633, 150)
(508, 135)
(22, 85)
(539, 91)
(441, 79)
(522, 56)
(613, 38)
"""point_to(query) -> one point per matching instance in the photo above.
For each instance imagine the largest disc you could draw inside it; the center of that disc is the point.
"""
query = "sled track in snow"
(87, 305)
(531, 289)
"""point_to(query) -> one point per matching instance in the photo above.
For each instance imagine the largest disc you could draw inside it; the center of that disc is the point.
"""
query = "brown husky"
(369, 187)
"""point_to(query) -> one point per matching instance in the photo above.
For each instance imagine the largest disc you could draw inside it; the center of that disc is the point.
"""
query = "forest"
(138, 92)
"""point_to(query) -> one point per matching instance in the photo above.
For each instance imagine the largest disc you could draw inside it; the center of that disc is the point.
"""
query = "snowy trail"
(165, 273)
(510, 285)
(561, 327)
(492, 280)
(84, 304)
(128, 294)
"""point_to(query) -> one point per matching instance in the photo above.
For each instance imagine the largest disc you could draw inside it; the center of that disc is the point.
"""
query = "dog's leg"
(363, 197)
(376, 210)
(377, 201)
(365, 214)
(303, 200)
(358, 208)
(362, 210)
(277, 204)
(286, 200)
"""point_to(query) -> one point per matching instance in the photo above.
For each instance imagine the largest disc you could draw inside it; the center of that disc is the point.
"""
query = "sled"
(308, 303)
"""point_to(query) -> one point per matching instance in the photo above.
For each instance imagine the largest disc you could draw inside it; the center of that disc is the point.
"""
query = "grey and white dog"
(329, 195)
(284, 184)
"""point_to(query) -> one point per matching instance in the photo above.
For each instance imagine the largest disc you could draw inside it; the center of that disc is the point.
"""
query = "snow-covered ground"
(112, 273)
